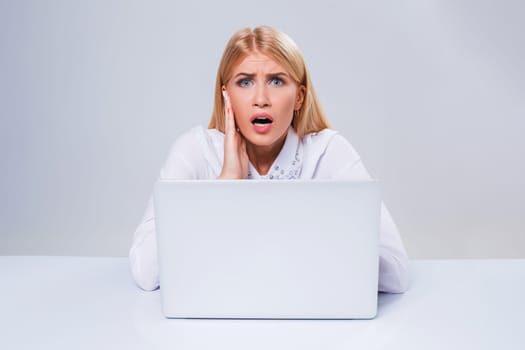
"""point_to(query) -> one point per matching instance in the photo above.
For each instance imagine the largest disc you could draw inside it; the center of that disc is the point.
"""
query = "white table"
(92, 303)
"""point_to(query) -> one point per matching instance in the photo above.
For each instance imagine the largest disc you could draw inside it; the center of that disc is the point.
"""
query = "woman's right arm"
(180, 165)
(143, 252)
(183, 163)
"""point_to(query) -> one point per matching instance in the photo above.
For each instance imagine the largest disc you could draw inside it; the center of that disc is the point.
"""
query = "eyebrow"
(251, 75)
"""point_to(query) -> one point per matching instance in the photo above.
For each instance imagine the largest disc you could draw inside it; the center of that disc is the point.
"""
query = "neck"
(262, 157)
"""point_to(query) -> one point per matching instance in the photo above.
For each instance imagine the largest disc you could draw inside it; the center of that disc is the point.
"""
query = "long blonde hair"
(281, 48)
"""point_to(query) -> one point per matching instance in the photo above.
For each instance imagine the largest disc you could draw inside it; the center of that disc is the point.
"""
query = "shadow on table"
(386, 301)
(154, 331)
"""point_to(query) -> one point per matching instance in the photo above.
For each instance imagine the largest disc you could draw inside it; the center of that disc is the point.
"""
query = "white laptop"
(290, 249)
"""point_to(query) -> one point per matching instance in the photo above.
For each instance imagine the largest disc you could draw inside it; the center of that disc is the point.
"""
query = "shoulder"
(316, 139)
(328, 141)
(188, 139)
(188, 155)
(197, 138)
(327, 154)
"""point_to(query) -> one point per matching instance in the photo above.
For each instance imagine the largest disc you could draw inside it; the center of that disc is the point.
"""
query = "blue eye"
(276, 81)
(244, 82)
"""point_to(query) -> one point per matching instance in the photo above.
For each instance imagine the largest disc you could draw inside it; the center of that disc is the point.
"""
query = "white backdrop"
(93, 93)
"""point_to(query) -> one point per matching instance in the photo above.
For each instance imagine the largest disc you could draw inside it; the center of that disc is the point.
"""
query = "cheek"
(285, 102)
(235, 105)
(239, 103)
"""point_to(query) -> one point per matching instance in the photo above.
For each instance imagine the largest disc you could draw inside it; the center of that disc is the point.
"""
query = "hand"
(235, 164)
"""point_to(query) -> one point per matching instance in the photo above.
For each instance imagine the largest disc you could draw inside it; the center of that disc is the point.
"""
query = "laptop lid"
(268, 249)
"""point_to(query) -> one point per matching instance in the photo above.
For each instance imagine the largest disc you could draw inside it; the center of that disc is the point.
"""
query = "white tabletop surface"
(92, 303)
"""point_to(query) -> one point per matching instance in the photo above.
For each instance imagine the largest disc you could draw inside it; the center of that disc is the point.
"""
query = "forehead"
(257, 62)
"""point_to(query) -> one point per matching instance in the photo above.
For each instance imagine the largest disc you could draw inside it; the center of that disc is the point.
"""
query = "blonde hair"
(281, 48)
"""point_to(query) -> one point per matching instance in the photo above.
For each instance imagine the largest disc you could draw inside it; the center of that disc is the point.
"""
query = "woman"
(266, 123)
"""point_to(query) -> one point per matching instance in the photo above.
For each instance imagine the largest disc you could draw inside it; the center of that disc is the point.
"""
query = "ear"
(301, 92)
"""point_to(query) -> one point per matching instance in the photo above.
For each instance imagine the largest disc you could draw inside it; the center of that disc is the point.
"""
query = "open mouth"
(261, 120)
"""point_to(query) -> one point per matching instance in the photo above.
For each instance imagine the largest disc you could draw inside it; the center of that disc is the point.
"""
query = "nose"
(261, 98)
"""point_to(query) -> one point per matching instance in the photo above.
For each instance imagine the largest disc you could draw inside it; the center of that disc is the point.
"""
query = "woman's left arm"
(341, 161)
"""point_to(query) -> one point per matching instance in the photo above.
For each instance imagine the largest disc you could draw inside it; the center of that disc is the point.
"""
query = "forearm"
(393, 260)
(143, 253)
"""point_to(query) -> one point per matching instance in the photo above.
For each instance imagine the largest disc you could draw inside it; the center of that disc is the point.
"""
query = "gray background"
(93, 93)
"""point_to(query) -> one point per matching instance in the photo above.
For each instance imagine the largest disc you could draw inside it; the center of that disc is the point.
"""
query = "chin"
(262, 139)
(259, 140)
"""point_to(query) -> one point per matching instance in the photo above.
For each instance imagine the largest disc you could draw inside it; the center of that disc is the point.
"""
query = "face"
(263, 98)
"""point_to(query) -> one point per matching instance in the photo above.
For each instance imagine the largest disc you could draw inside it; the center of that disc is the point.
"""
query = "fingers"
(229, 120)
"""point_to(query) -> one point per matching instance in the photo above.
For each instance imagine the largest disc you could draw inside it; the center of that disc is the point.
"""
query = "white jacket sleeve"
(341, 161)
(143, 252)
